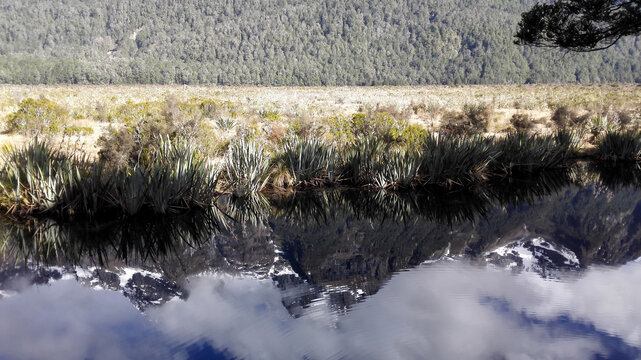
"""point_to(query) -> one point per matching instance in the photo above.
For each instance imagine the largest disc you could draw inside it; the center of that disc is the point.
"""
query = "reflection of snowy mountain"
(534, 255)
(143, 288)
(149, 287)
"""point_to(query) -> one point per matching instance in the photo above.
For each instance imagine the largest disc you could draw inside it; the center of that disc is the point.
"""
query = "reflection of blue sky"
(437, 312)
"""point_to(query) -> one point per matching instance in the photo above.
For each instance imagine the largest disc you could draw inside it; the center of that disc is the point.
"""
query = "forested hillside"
(287, 42)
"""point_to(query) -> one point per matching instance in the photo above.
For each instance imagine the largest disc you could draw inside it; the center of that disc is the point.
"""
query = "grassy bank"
(175, 177)
(166, 149)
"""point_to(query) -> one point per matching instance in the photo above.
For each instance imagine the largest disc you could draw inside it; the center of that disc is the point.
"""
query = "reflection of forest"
(352, 238)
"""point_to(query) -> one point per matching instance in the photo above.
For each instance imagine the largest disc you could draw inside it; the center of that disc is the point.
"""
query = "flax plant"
(448, 160)
(246, 167)
(620, 146)
(309, 161)
(525, 153)
(38, 179)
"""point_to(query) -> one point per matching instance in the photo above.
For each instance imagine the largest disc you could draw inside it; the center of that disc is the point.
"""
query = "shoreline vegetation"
(174, 155)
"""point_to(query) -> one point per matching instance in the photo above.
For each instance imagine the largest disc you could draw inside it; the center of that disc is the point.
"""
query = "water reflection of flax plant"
(133, 239)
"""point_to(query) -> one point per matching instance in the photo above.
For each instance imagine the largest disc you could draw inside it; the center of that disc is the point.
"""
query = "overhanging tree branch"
(579, 25)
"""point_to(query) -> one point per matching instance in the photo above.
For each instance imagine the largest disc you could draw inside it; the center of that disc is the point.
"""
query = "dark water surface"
(545, 268)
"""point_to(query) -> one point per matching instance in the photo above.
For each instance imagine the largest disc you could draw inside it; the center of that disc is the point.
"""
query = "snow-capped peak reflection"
(440, 310)
(436, 311)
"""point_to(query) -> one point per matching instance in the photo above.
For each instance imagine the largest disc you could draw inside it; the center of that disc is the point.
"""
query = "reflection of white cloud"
(609, 298)
(68, 321)
(438, 312)
(433, 312)
(247, 318)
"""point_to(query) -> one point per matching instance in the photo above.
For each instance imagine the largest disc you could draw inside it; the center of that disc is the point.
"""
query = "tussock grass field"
(277, 108)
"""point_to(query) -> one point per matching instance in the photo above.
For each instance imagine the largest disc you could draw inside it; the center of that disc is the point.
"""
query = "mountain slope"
(287, 42)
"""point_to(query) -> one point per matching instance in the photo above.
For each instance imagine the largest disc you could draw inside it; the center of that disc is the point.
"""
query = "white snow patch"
(127, 273)
(530, 257)
(6, 294)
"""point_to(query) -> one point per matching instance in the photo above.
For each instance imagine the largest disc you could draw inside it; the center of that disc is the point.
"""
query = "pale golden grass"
(320, 103)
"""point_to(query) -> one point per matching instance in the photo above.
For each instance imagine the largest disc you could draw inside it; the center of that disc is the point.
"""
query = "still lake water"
(540, 269)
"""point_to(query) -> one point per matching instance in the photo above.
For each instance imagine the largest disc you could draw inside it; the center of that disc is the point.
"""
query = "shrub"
(380, 125)
(209, 108)
(568, 117)
(269, 115)
(304, 126)
(522, 122)
(77, 130)
(474, 119)
(137, 130)
(412, 135)
(35, 117)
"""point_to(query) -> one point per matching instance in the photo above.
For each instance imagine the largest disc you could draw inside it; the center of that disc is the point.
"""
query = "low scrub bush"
(269, 115)
(522, 122)
(37, 117)
(137, 130)
(77, 130)
(474, 119)
(380, 125)
(568, 117)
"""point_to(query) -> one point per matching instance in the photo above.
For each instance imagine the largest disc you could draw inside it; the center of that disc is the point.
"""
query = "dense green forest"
(288, 42)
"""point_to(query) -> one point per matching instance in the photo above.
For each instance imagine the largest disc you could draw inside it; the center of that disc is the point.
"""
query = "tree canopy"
(287, 42)
(580, 25)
